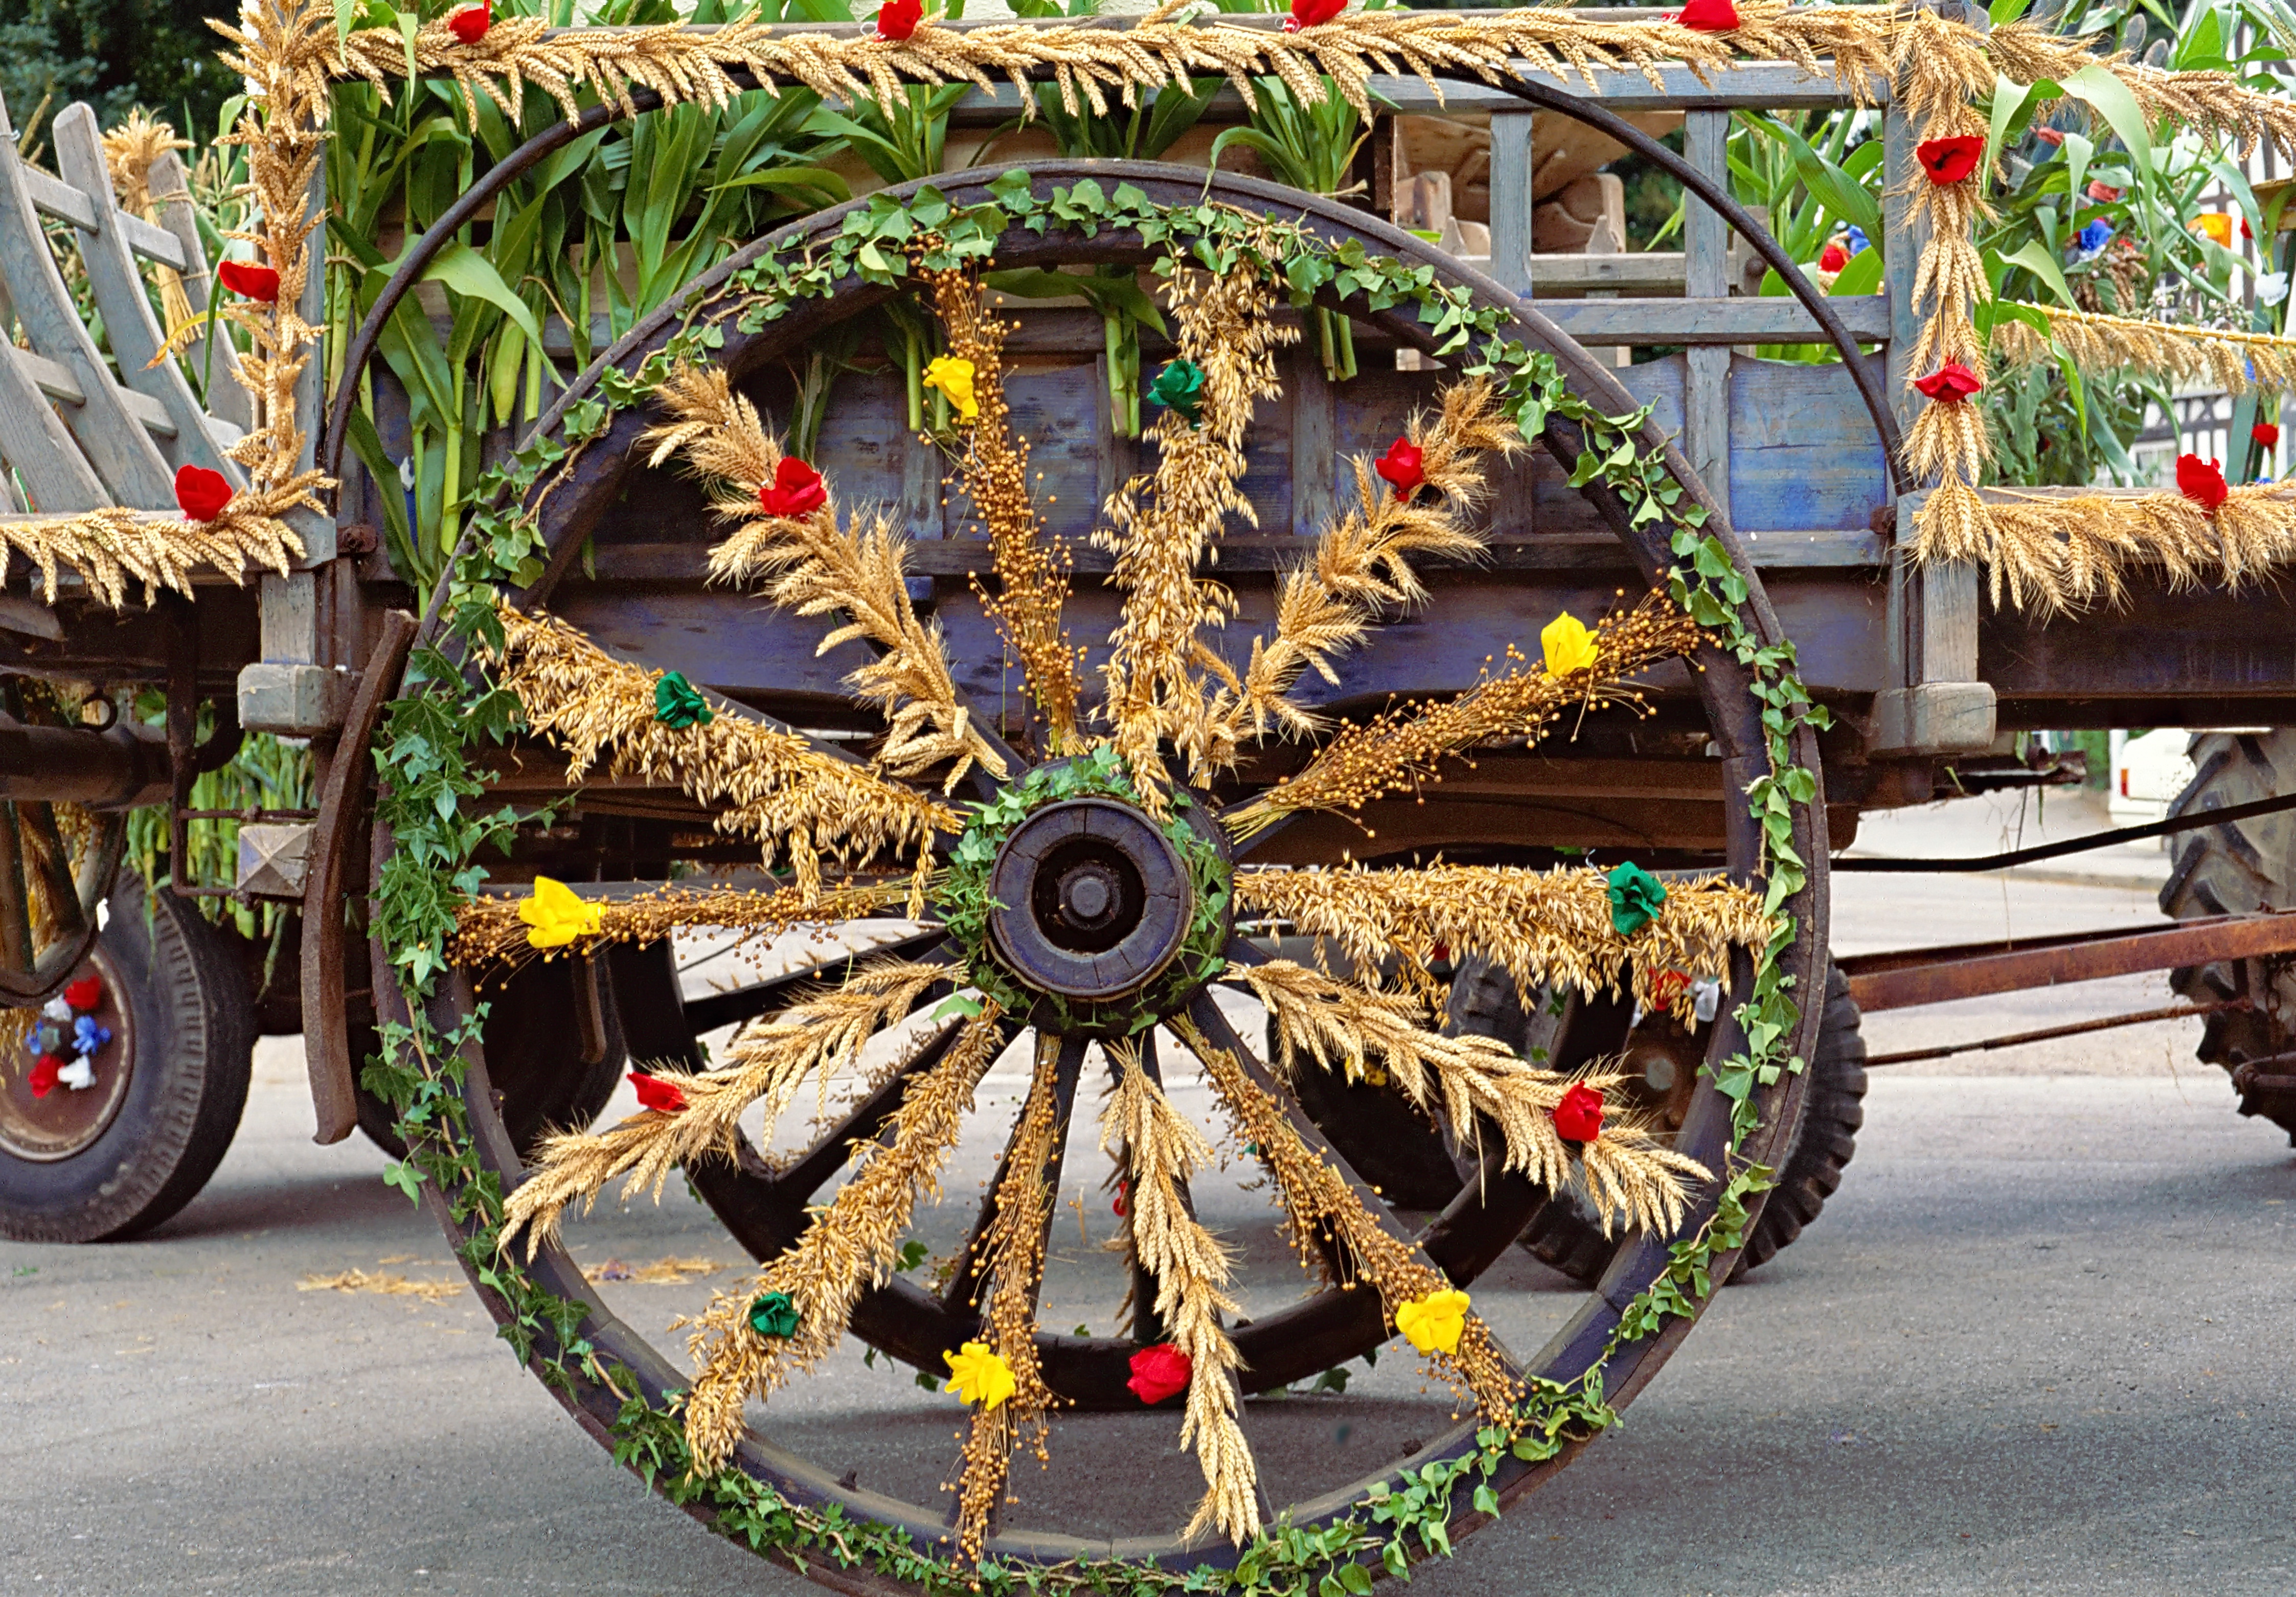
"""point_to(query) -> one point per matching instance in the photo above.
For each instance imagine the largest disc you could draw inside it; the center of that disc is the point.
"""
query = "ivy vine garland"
(430, 796)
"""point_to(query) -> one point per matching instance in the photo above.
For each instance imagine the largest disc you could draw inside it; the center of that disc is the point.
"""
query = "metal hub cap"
(1093, 900)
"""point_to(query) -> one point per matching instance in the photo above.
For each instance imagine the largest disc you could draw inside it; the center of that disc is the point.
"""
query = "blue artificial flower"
(88, 1036)
(45, 1039)
(2096, 236)
(1857, 241)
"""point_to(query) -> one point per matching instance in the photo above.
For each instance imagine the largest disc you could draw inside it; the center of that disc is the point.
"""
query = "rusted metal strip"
(2196, 820)
(2175, 1011)
(326, 1022)
(1880, 981)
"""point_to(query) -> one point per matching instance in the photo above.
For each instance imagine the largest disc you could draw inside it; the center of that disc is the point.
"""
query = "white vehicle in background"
(2149, 770)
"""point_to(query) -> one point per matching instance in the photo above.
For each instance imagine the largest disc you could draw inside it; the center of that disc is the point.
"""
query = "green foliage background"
(116, 55)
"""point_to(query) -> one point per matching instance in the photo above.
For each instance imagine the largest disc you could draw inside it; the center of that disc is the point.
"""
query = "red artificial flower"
(86, 993)
(1949, 160)
(469, 23)
(2201, 481)
(2267, 433)
(1310, 13)
(1709, 16)
(657, 1094)
(250, 280)
(1123, 1204)
(2245, 231)
(1950, 383)
(1400, 465)
(203, 494)
(1159, 1372)
(1832, 259)
(1579, 1118)
(42, 1079)
(796, 490)
(1669, 986)
(898, 18)
(2103, 193)
(2050, 135)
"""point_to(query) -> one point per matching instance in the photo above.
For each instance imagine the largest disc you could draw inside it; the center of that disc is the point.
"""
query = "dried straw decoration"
(1544, 928)
(2217, 356)
(1318, 1201)
(1192, 1269)
(489, 930)
(1012, 1250)
(2213, 103)
(1362, 567)
(1404, 748)
(768, 1061)
(1032, 568)
(813, 566)
(779, 789)
(129, 150)
(2057, 553)
(107, 547)
(1631, 1176)
(1161, 529)
(851, 1244)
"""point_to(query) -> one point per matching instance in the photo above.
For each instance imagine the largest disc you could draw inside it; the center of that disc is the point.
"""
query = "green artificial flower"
(677, 703)
(1180, 387)
(1635, 896)
(772, 1314)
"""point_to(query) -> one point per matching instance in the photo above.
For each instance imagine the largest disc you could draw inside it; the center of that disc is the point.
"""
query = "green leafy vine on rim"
(430, 790)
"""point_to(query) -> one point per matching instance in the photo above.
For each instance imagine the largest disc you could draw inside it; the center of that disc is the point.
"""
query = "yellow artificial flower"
(977, 1375)
(2217, 225)
(1569, 645)
(954, 377)
(555, 917)
(1435, 1323)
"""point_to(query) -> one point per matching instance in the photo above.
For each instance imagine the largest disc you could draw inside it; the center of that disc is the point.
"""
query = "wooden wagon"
(1059, 768)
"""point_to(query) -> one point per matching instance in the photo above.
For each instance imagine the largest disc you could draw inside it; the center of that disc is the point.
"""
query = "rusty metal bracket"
(2197, 821)
(1918, 976)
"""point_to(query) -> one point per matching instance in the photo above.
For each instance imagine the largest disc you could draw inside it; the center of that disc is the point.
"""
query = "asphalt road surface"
(2039, 1343)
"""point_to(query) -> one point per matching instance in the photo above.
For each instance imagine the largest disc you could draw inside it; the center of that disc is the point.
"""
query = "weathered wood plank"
(1771, 319)
(1803, 452)
(66, 201)
(128, 324)
(171, 197)
(114, 441)
(1510, 199)
(34, 443)
(1706, 391)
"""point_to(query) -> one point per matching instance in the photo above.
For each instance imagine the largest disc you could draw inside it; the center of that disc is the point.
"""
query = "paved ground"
(2039, 1343)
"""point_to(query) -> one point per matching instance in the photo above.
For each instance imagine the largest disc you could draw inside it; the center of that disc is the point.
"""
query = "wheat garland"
(1192, 1270)
(812, 566)
(1362, 566)
(850, 1244)
(1032, 567)
(2218, 357)
(1162, 528)
(1544, 929)
(768, 1063)
(777, 788)
(1405, 747)
(2059, 553)
(489, 930)
(1013, 1252)
(1317, 1200)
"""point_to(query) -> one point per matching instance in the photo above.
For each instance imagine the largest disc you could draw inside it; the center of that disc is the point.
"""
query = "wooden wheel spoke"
(864, 1121)
(1148, 1327)
(710, 1012)
(47, 855)
(964, 1288)
(16, 948)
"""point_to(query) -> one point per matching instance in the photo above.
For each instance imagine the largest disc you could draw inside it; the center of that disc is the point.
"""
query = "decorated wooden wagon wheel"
(1079, 884)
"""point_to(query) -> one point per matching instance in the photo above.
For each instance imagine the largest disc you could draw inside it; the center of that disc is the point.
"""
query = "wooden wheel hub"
(1094, 900)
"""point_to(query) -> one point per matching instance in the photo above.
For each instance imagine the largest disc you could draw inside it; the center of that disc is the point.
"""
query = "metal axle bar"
(2175, 1011)
(1880, 981)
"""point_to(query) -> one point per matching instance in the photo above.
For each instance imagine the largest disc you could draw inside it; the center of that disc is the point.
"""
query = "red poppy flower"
(657, 1094)
(1309, 13)
(1159, 1372)
(1123, 1204)
(1832, 259)
(2245, 231)
(43, 1078)
(86, 993)
(898, 18)
(2103, 193)
(796, 490)
(2201, 481)
(1669, 986)
(203, 494)
(469, 23)
(1400, 465)
(250, 280)
(1579, 1118)
(1950, 383)
(1709, 16)
(1949, 160)
(2267, 433)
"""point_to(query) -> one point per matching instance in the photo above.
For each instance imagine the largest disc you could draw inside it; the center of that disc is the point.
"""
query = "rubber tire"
(2236, 869)
(193, 1013)
(1565, 1235)
(533, 1042)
